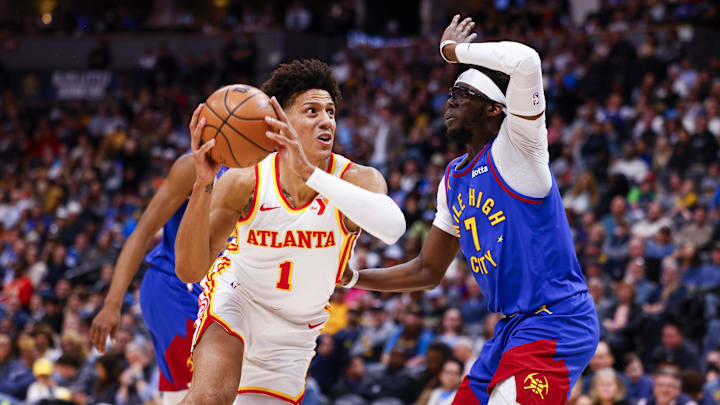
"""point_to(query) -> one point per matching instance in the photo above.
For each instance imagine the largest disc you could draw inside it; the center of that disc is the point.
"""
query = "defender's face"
(312, 114)
(462, 112)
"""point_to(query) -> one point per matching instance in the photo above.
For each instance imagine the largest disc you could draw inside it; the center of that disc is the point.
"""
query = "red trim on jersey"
(345, 256)
(471, 165)
(259, 391)
(465, 395)
(282, 195)
(209, 319)
(255, 196)
(507, 190)
(342, 173)
(447, 184)
(539, 378)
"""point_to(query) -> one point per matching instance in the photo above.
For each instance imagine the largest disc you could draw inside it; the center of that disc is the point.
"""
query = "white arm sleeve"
(374, 212)
(442, 216)
(520, 150)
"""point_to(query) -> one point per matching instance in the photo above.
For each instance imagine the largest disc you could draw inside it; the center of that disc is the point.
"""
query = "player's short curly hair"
(288, 80)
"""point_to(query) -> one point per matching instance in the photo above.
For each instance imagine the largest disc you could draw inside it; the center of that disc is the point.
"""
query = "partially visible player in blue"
(169, 306)
(500, 203)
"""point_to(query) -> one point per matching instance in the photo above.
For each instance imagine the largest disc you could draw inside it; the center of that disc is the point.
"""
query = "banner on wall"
(81, 85)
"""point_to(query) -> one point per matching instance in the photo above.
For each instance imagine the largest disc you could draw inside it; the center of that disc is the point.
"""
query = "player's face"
(464, 109)
(312, 114)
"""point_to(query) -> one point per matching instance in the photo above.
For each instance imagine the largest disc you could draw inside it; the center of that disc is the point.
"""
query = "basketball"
(235, 118)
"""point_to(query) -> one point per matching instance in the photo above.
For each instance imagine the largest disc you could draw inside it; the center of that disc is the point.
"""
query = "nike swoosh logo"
(264, 208)
(311, 326)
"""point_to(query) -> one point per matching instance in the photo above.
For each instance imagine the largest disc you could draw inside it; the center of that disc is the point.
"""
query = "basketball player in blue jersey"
(169, 306)
(500, 204)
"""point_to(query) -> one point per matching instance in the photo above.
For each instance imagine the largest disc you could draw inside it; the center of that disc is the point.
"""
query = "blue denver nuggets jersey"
(162, 257)
(519, 248)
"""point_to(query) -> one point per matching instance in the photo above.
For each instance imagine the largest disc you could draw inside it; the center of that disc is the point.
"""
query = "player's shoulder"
(234, 187)
(238, 179)
(366, 177)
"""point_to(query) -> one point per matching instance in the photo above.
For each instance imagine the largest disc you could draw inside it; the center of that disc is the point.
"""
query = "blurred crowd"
(634, 134)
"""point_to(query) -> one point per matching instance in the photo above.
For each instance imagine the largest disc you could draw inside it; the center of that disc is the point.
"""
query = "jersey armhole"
(506, 187)
(256, 193)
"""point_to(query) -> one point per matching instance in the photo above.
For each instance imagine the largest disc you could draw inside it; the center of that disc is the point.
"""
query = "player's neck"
(476, 145)
(293, 186)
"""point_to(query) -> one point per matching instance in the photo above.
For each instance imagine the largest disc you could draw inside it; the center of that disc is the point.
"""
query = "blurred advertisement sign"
(81, 85)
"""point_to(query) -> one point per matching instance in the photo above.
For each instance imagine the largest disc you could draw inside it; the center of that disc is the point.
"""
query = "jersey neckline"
(278, 187)
(471, 165)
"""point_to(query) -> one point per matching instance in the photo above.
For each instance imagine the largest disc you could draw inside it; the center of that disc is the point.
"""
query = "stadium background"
(94, 103)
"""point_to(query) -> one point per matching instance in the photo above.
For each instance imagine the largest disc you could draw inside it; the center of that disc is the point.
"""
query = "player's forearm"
(376, 213)
(525, 92)
(126, 267)
(192, 244)
(409, 276)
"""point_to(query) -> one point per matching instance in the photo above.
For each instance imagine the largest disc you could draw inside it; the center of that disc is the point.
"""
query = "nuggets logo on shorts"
(537, 384)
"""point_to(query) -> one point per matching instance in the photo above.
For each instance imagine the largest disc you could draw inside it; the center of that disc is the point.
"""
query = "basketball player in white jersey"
(295, 217)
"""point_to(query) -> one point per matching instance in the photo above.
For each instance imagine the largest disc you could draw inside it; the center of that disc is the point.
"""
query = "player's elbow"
(530, 62)
(394, 229)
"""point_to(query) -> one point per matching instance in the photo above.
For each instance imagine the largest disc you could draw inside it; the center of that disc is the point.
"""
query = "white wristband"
(354, 279)
(442, 45)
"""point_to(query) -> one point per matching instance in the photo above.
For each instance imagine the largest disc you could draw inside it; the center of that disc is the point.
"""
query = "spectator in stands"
(602, 359)
(639, 385)
(411, 337)
(698, 232)
(660, 245)
(374, 334)
(391, 379)
(648, 227)
(18, 374)
(351, 382)
(429, 377)
(667, 389)
(670, 293)
(623, 318)
(607, 388)
(450, 378)
(675, 349)
(635, 274)
(451, 327)
(463, 351)
(108, 369)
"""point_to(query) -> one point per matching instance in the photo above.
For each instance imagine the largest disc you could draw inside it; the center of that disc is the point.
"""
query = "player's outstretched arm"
(525, 96)
(362, 198)
(422, 273)
(168, 198)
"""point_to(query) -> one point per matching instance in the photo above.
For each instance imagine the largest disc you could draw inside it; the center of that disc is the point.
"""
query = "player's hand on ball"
(289, 147)
(205, 168)
(104, 324)
(459, 31)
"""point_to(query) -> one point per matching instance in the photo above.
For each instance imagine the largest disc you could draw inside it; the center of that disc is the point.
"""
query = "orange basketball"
(235, 118)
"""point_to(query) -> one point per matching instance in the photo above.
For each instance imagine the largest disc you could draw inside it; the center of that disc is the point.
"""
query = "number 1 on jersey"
(284, 283)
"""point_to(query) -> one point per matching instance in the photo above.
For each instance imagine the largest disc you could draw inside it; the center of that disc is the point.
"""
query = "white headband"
(479, 81)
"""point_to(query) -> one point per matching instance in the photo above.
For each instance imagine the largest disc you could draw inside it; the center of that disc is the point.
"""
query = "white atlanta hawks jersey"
(286, 258)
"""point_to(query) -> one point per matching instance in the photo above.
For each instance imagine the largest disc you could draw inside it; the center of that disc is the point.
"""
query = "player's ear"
(494, 109)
